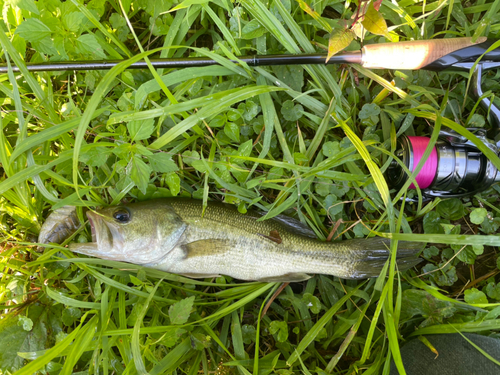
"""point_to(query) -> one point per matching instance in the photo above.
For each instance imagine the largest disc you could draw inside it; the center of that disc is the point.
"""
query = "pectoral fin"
(286, 278)
(206, 247)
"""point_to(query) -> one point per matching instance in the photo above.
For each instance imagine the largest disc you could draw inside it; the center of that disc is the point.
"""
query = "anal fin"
(286, 278)
(199, 275)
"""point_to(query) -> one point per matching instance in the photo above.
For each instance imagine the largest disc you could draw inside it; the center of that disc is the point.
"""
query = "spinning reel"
(455, 167)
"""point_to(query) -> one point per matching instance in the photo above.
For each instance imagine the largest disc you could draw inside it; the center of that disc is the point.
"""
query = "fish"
(176, 236)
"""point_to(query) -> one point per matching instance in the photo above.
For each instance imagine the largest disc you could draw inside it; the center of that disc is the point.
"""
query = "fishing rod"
(437, 55)
(455, 168)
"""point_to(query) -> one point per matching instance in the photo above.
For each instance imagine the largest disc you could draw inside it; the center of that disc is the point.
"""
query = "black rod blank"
(267, 60)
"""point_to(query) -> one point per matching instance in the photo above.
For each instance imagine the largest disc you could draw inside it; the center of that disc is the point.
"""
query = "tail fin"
(374, 252)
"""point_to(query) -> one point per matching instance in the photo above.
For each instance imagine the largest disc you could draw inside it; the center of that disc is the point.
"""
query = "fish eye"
(121, 215)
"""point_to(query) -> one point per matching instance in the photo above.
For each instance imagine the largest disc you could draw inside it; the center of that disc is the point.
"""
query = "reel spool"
(455, 167)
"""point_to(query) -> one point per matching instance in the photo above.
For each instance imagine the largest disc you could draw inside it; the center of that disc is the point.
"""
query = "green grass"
(310, 141)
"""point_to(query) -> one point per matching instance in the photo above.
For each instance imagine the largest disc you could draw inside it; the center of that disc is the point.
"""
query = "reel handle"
(422, 54)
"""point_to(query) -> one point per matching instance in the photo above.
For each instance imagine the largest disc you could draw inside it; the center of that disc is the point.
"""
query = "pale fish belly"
(243, 257)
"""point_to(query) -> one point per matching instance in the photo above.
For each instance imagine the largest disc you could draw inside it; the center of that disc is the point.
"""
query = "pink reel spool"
(428, 172)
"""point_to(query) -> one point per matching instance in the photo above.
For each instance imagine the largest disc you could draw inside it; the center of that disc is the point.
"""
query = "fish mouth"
(104, 234)
(101, 235)
(102, 239)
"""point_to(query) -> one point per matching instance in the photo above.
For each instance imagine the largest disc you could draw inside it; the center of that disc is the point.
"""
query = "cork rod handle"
(413, 54)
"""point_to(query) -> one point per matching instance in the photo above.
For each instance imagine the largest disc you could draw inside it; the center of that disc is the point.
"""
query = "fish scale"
(251, 255)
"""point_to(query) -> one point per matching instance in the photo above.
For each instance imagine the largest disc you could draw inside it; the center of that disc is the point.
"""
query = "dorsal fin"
(295, 226)
(291, 224)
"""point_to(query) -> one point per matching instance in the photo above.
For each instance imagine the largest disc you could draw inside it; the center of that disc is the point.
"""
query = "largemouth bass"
(173, 236)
